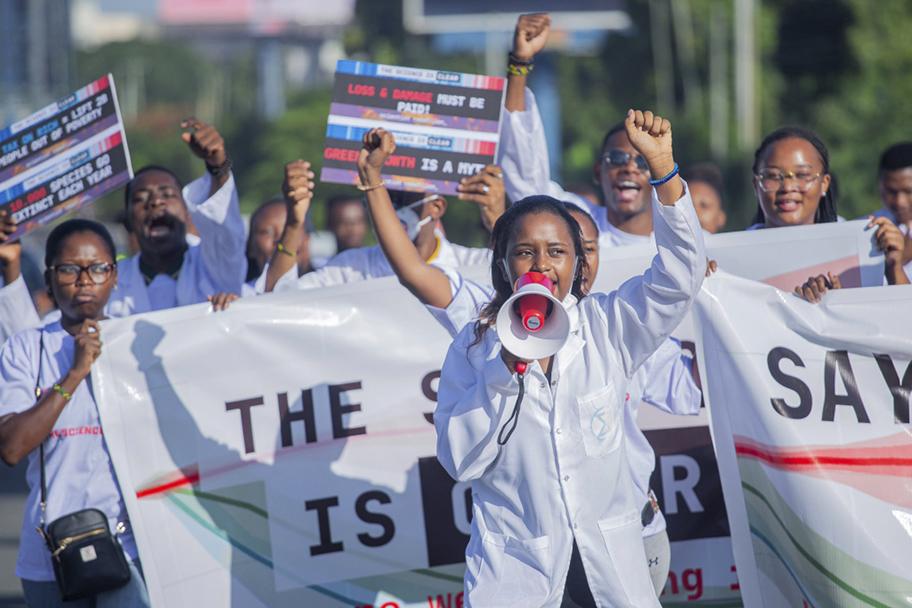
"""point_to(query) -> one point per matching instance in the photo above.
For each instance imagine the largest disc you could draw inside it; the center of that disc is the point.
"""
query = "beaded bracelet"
(364, 188)
(62, 392)
(283, 249)
(662, 180)
(519, 70)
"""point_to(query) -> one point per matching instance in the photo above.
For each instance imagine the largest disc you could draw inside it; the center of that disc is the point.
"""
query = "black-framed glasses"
(770, 181)
(619, 158)
(67, 274)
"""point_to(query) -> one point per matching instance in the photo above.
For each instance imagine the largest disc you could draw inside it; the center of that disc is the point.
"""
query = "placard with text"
(446, 124)
(63, 157)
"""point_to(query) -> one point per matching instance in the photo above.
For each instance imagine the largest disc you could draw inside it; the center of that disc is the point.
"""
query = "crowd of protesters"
(191, 245)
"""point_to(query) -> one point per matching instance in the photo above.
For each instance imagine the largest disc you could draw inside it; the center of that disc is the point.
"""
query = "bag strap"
(38, 392)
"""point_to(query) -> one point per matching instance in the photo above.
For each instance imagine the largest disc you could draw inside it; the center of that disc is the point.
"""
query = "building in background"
(35, 44)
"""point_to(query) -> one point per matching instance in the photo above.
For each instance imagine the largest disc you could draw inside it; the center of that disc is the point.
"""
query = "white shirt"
(79, 470)
(360, 264)
(17, 312)
(564, 473)
(213, 263)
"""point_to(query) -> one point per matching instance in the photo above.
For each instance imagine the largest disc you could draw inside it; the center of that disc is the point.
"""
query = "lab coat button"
(558, 431)
(575, 526)
(543, 385)
(566, 478)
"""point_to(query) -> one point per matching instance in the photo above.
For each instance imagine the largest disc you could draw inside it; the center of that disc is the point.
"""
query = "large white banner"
(281, 453)
(810, 414)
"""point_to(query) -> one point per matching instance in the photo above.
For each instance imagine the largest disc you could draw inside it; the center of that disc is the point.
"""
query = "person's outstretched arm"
(523, 153)
(645, 310)
(297, 188)
(425, 282)
(212, 201)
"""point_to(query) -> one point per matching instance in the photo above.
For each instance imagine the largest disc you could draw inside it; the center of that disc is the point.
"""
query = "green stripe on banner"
(251, 553)
(820, 567)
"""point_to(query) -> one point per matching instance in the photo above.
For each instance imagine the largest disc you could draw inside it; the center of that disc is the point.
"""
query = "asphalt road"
(12, 499)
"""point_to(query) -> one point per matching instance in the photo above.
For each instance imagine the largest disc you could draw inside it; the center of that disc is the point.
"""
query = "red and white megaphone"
(533, 324)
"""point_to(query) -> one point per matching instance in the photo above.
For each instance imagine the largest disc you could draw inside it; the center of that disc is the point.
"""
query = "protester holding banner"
(792, 183)
(266, 225)
(418, 212)
(16, 309)
(170, 270)
(54, 362)
(895, 181)
(561, 485)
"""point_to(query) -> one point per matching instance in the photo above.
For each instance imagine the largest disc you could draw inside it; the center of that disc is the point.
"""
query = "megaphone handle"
(514, 416)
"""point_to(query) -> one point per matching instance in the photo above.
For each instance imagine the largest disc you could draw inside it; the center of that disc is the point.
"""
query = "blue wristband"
(662, 180)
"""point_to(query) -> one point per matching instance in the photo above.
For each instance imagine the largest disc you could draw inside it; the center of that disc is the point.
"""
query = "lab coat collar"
(575, 342)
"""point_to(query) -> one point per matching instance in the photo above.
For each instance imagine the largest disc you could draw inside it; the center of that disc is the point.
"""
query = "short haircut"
(571, 208)
(128, 190)
(404, 198)
(341, 199)
(707, 173)
(617, 128)
(896, 157)
(70, 227)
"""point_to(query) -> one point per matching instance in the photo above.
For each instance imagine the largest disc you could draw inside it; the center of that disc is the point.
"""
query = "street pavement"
(12, 500)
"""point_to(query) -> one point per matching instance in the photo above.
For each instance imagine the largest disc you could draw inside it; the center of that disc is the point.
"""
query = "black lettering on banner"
(839, 360)
(322, 506)
(306, 415)
(901, 391)
(338, 410)
(370, 517)
(686, 483)
(427, 387)
(803, 409)
(446, 530)
(244, 406)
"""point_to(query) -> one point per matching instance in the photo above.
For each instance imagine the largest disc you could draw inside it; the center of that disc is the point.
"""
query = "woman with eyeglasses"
(794, 187)
(45, 397)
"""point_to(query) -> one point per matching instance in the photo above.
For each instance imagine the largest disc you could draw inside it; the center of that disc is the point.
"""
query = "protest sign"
(446, 124)
(810, 414)
(281, 453)
(63, 157)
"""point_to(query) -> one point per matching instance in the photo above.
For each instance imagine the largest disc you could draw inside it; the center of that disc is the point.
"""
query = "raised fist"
(651, 136)
(204, 141)
(378, 145)
(530, 35)
(297, 188)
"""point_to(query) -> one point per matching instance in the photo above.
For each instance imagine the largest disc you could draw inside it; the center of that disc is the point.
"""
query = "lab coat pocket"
(624, 539)
(512, 570)
(600, 421)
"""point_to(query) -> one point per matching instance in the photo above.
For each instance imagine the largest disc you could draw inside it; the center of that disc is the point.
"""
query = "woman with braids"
(794, 188)
(557, 518)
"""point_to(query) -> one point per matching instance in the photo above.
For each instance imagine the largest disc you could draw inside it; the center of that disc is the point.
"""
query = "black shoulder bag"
(87, 558)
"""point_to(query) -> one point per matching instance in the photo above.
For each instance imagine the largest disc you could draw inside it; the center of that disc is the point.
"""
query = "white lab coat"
(664, 381)
(360, 264)
(564, 474)
(17, 311)
(214, 264)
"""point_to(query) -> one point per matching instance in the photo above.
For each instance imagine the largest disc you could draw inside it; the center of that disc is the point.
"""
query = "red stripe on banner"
(187, 480)
(814, 460)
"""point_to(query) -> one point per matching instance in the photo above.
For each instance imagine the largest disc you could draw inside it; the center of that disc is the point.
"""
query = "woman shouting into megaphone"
(540, 436)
